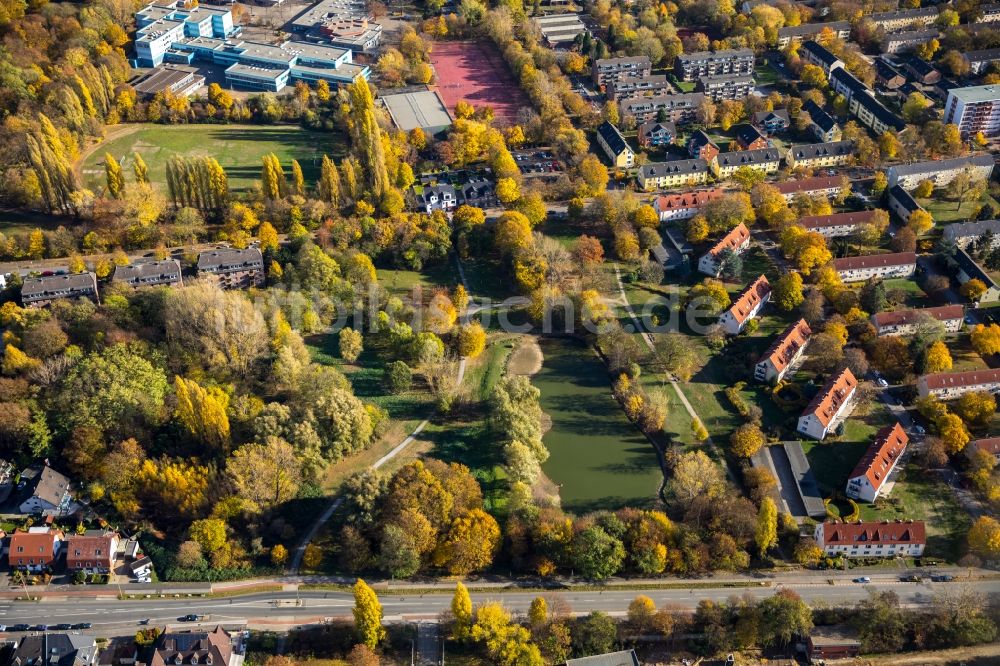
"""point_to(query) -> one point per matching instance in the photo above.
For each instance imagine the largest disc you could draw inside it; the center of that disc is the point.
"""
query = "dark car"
(62, 627)
(190, 617)
(82, 625)
(40, 627)
(942, 578)
(18, 627)
(911, 578)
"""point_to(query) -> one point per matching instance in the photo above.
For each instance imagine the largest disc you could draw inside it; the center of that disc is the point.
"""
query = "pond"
(598, 458)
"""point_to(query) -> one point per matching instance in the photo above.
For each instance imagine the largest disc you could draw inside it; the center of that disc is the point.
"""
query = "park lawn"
(765, 75)
(21, 222)
(402, 283)
(918, 496)
(833, 459)
(482, 373)
(945, 210)
(915, 296)
(239, 149)
(963, 356)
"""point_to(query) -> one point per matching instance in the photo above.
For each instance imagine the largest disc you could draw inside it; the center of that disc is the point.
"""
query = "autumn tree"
(787, 292)
(113, 175)
(695, 474)
(470, 339)
(937, 358)
(367, 615)
(209, 533)
(746, 440)
(952, 431)
(265, 475)
(986, 339)
(203, 412)
(766, 532)
(470, 544)
(461, 610)
(973, 289)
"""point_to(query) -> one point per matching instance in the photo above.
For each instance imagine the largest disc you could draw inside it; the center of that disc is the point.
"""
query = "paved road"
(284, 609)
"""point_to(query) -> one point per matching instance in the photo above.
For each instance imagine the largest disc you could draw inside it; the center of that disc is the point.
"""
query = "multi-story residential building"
(166, 272)
(990, 445)
(94, 551)
(772, 122)
(827, 406)
(37, 292)
(901, 19)
(615, 146)
(725, 86)
(979, 61)
(57, 649)
(675, 173)
(889, 265)
(989, 13)
(974, 109)
(821, 124)
(814, 53)
(45, 491)
(684, 206)
(939, 172)
(887, 75)
(624, 87)
(962, 234)
(783, 353)
(679, 108)
(905, 322)
(701, 145)
(160, 25)
(657, 134)
(872, 539)
(921, 71)
(605, 70)
(212, 648)
(906, 40)
(232, 268)
(439, 196)
(736, 241)
(901, 203)
(870, 474)
(967, 269)
(749, 137)
(787, 35)
(863, 105)
(746, 306)
(34, 549)
(689, 66)
(838, 224)
(726, 164)
(819, 155)
(813, 186)
(951, 385)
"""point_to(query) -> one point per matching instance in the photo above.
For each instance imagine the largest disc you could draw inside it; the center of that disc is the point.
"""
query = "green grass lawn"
(482, 374)
(765, 75)
(947, 210)
(239, 149)
(915, 296)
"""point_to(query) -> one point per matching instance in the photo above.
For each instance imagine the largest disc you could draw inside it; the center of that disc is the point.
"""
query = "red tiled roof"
(732, 240)
(32, 545)
(961, 379)
(812, 222)
(991, 445)
(875, 261)
(889, 444)
(84, 548)
(812, 184)
(827, 402)
(688, 199)
(875, 532)
(898, 317)
(749, 298)
(788, 344)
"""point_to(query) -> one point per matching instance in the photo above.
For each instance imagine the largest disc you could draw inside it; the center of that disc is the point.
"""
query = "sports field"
(238, 148)
(476, 72)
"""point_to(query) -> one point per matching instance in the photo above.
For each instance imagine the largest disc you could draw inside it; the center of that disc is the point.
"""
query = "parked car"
(881, 382)
(62, 627)
(919, 429)
(863, 579)
(942, 578)
(190, 617)
(82, 625)
(40, 627)
(18, 627)
(911, 578)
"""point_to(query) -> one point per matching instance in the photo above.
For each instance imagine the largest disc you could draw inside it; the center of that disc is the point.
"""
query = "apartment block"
(863, 105)
(822, 125)
(872, 471)
(829, 405)
(798, 33)
(783, 353)
(605, 70)
(684, 206)
(885, 266)
(819, 155)
(746, 306)
(979, 61)
(813, 186)
(907, 40)
(838, 224)
(872, 539)
(725, 86)
(951, 385)
(814, 53)
(37, 292)
(765, 159)
(901, 19)
(939, 172)
(690, 66)
(160, 25)
(232, 268)
(736, 241)
(615, 146)
(905, 322)
(963, 234)
(150, 274)
(974, 109)
(678, 109)
(968, 269)
(657, 134)
(625, 87)
(675, 173)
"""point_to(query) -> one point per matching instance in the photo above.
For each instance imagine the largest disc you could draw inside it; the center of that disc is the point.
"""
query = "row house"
(990, 445)
(822, 125)
(749, 137)
(887, 75)
(150, 274)
(901, 203)
(870, 474)
(783, 353)
(439, 196)
(37, 292)
(700, 145)
(838, 224)
(233, 268)
(35, 549)
(746, 306)
(901, 19)
(951, 385)
(679, 108)
(813, 186)
(764, 159)
(615, 146)
(921, 71)
(980, 60)
(827, 406)
(690, 66)
(989, 13)
(906, 40)
(888, 265)
(962, 234)
(210, 648)
(725, 86)
(675, 173)
(684, 206)
(872, 539)
(863, 105)
(819, 155)
(772, 122)
(939, 172)
(737, 240)
(94, 551)
(968, 269)
(606, 70)
(637, 86)
(657, 134)
(798, 33)
(905, 322)
(814, 53)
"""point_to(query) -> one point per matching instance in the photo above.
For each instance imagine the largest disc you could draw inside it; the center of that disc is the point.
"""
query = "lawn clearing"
(239, 149)
(947, 210)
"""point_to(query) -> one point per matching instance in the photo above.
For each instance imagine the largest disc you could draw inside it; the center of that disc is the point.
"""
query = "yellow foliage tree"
(984, 537)
(471, 340)
(938, 358)
(203, 412)
(507, 190)
(986, 339)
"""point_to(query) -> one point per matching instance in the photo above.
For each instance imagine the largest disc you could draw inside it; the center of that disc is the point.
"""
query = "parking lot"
(536, 162)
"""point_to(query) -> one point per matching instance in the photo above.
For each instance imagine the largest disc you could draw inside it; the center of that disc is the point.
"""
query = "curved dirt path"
(116, 132)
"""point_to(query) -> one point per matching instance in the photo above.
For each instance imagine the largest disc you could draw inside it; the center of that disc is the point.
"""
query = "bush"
(397, 377)
(737, 401)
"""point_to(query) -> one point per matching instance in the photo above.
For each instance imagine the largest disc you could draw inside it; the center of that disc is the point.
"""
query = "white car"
(881, 382)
